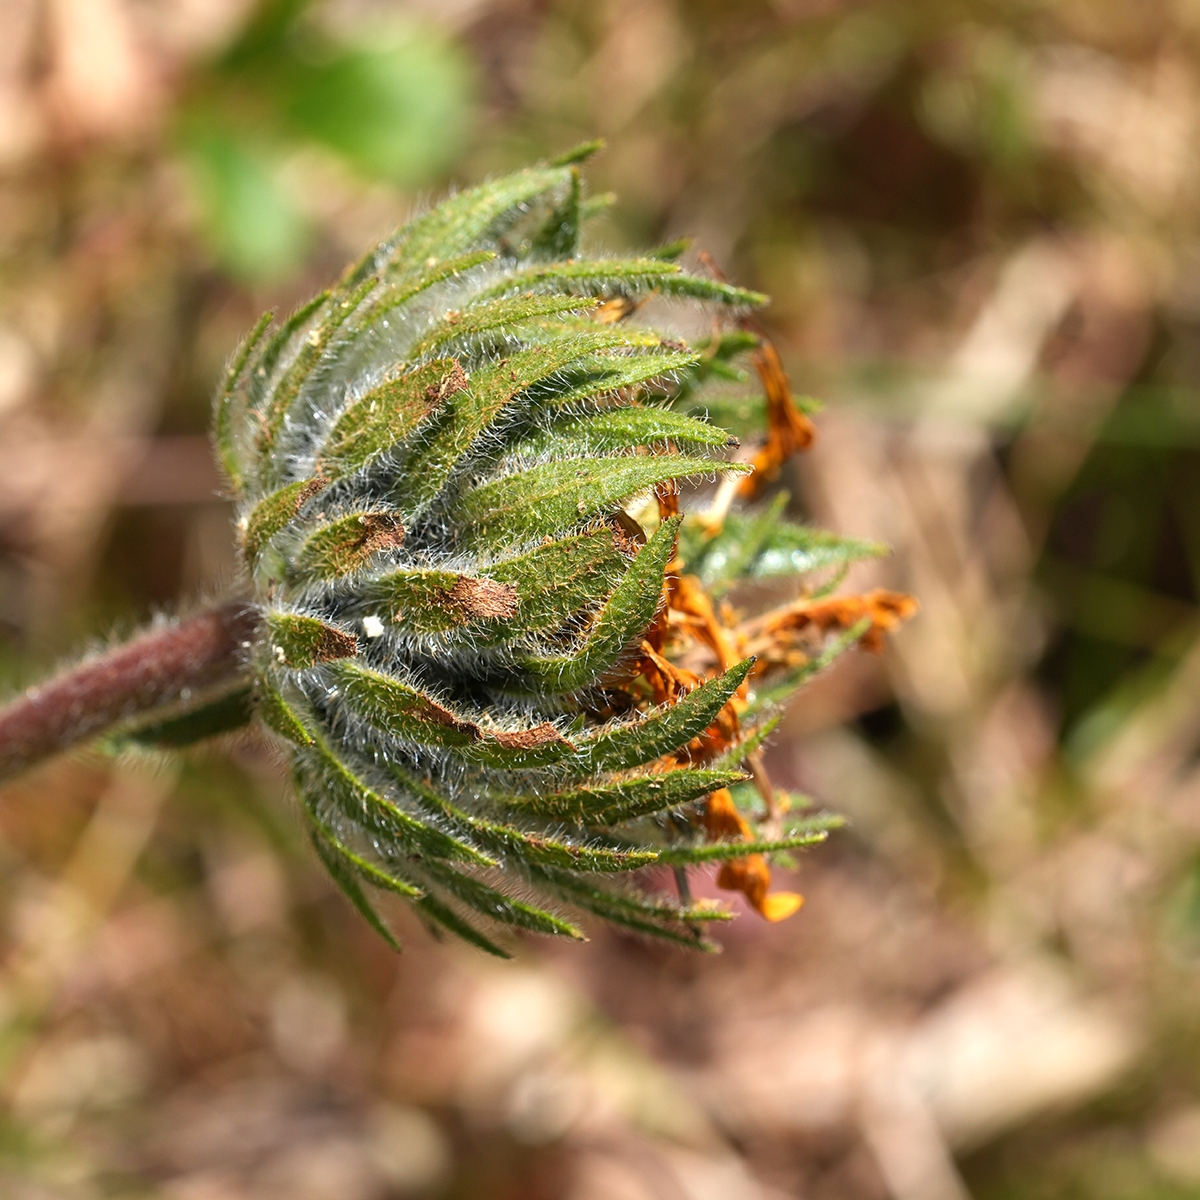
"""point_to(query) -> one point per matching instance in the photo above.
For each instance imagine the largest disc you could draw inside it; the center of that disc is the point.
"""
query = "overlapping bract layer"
(431, 461)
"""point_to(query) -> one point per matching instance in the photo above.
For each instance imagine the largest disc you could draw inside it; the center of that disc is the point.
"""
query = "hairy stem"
(155, 668)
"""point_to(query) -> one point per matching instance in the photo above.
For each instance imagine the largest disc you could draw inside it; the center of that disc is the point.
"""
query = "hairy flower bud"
(432, 462)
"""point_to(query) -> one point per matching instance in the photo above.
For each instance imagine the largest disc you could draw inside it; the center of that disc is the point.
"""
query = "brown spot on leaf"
(381, 531)
(481, 599)
(455, 380)
(335, 643)
(529, 739)
(308, 491)
(431, 710)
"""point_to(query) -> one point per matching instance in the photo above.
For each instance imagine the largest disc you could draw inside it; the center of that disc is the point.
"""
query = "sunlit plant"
(504, 664)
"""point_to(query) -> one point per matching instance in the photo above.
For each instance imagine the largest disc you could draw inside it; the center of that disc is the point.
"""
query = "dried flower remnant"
(788, 429)
(748, 874)
(789, 638)
(776, 634)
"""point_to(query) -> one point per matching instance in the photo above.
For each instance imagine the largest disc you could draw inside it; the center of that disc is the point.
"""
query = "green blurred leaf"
(393, 102)
(397, 109)
(251, 223)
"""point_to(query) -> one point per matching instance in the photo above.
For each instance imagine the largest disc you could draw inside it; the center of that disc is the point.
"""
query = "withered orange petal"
(778, 906)
(721, 816)
(750, 875)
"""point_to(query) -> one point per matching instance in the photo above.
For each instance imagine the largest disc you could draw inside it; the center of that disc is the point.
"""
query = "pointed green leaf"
(743, 415)
(603, 375)
(592, 853)
(224, 432)
(668, 729)
(697, 287)
(722, 560)
(498, 905)
(624, 277)
(273, 513)
(476, 217)
(589, 277)
(474, 410)
(722, 851)
(593, 206)
(716, 357)
(559, 236)
(663, 921)
(761, 546)
(556, 580)
(386, 415)
(286, 391)
(630, 901)
(345, 880)
(360, 350)
(344, 544)
(740, 751)
(670, 251)
(464, 326)
(626, 799)
(279, 715)
(359, 865)
(400, 709)
(434, 271)
(790, 549)
(623, 429)
(323, 775)
(680, 935)
(726, 346)
(551, 498)
(282, 340)
(439, 914)
(299, 642)
(234, 710)
(407, 713)
(556, 851)
(580, 153)
(624, 617)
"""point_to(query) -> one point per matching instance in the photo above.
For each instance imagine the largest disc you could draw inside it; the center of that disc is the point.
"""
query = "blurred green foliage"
(254, 226)
(392, 104)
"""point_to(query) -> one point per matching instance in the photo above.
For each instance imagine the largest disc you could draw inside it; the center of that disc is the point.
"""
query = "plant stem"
(154, 668)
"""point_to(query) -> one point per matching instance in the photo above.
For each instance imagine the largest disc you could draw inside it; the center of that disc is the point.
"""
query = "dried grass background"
(981, 227)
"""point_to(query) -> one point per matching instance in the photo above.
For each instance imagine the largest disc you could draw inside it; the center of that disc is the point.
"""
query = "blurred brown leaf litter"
(979, 227)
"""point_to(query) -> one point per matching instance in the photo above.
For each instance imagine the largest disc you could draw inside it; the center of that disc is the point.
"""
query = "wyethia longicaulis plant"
(497, 651)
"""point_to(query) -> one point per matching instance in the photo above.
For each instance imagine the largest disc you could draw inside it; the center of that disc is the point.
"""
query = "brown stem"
(153, 669)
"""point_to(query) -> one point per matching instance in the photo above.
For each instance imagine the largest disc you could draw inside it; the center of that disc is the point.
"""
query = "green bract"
(429, 460)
